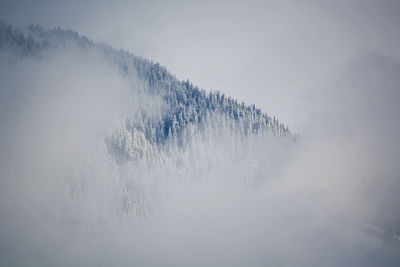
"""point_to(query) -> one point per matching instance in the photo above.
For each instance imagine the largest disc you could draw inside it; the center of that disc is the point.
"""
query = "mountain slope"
(185, 105)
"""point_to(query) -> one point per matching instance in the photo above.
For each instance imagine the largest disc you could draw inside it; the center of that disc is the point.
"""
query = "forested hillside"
(185, 105)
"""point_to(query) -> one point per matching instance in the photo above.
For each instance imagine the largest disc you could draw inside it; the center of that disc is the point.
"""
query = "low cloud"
(327, 199)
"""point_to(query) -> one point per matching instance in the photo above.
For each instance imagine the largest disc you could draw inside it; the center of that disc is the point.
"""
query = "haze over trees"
(107, 159)
(185, 105)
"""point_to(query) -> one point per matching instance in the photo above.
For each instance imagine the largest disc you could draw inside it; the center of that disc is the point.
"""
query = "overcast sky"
(275, 54)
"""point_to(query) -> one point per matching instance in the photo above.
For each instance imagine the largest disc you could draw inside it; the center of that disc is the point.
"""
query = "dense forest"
(187, 106)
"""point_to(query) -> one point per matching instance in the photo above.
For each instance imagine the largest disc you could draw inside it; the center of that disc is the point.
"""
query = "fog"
(329, 198)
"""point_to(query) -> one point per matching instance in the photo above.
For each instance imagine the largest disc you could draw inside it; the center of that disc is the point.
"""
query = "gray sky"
(275, 54)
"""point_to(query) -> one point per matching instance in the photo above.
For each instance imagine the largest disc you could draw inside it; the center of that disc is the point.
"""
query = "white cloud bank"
(63, 201)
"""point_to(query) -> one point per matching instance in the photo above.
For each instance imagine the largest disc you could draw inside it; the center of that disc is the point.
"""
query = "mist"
(325, 198)
(66, 201)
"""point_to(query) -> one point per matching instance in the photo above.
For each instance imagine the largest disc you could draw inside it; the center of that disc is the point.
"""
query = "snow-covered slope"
(184, 105)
